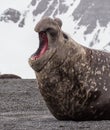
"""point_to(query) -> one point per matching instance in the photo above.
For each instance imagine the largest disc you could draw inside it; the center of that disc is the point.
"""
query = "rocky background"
(22, 108)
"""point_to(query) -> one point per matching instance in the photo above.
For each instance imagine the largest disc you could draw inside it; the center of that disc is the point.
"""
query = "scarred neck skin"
(56, 79)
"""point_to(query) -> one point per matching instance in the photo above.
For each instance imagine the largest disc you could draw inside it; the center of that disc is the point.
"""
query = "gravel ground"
(22, 108)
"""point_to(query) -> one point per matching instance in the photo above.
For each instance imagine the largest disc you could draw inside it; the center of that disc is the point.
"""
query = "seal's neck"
(75, 50)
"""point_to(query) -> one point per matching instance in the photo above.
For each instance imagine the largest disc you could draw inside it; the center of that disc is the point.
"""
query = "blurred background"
(87, 21)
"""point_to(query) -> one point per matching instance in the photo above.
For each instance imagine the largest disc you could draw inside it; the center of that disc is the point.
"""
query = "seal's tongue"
(43, 45)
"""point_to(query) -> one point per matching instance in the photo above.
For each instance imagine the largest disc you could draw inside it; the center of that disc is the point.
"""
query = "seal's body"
(74, 80)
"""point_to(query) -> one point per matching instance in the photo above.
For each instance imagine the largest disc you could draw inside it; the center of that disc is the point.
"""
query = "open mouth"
(43, 46)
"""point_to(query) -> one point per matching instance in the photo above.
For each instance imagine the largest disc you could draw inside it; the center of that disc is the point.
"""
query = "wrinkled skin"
(73, 80)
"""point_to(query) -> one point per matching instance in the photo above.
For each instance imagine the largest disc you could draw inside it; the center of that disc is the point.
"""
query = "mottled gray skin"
(73, 80)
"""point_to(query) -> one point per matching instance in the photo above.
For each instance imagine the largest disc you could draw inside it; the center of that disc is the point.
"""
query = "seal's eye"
(52, 32)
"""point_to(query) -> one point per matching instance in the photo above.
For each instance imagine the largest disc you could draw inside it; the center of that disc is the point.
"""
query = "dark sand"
(22, 108)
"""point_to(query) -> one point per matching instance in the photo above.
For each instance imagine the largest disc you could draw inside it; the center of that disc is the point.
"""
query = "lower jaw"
(38, 64)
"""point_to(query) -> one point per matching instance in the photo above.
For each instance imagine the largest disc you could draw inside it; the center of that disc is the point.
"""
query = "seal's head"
(50, 35)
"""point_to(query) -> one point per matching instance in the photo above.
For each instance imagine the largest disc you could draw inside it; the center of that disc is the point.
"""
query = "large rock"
(9, 76)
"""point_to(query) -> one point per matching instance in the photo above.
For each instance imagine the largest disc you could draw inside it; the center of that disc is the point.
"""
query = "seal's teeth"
(33, 58)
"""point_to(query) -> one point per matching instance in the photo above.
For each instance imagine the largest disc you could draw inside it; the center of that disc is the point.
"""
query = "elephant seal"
(73, 80)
